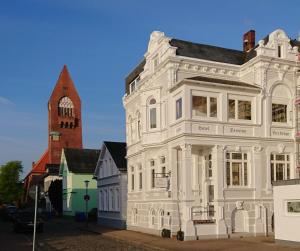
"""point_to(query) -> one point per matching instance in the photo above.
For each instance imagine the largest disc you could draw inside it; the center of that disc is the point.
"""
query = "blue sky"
(101, 41)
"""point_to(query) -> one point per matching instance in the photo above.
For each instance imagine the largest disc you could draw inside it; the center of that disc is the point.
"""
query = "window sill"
(203, 118)
(240, 121)
(235, 188)
(281, 125)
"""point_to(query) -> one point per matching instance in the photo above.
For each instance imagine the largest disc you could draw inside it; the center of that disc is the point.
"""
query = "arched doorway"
(240, 221)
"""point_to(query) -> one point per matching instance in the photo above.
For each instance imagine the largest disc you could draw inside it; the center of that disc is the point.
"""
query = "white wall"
(286, 224)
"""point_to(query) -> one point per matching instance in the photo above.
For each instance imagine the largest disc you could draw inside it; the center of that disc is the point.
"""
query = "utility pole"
(35, 213)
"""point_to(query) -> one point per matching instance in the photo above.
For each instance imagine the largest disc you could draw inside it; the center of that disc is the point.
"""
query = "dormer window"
(133, 85)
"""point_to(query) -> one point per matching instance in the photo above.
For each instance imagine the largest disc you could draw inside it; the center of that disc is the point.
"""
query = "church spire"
(64, 112)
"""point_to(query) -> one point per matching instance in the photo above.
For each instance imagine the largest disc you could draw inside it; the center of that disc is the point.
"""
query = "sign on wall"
(161, 182)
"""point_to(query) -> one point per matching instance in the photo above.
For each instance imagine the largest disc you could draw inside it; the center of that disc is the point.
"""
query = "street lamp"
(86, 198)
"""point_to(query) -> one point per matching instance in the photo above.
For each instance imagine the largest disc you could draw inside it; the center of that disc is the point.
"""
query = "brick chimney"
(249, 40)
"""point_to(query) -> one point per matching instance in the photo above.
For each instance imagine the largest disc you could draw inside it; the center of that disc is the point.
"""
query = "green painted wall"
(76, 191)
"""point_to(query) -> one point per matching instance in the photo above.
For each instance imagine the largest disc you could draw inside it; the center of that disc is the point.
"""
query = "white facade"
(215, 136)
(112, 190)
(287, 211)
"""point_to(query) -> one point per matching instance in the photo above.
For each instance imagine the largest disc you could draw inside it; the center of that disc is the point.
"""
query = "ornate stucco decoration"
(239, 205)
(281, 148)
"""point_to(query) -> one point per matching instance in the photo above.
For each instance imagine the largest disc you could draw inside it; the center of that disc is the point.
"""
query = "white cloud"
(5, 101)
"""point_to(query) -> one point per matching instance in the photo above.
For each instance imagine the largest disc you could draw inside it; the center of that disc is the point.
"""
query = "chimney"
(33, 163)
(249, 40)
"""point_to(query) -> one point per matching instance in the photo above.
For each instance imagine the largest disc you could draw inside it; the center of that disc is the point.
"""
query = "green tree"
(11, 189)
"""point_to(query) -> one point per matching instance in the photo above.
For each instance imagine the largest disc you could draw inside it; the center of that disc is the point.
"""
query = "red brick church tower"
(64, 128)
(64, 117)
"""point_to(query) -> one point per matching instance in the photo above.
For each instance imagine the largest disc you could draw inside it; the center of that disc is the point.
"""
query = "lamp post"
(86, 198)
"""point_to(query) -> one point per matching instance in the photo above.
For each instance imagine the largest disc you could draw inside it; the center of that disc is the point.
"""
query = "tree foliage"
(55, 195)
(11, 188)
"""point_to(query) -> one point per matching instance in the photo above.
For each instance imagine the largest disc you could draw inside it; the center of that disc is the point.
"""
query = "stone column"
(219, 180)
(186, 177)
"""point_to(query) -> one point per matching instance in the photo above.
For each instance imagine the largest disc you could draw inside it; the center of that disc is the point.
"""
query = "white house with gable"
(208, 129)
(111, 175)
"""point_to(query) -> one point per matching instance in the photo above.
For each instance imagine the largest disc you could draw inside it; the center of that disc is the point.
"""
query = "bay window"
(204, 106)
(179, 108)
(239, 109)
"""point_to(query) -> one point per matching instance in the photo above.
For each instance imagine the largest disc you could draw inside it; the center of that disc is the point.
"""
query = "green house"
(76, 167)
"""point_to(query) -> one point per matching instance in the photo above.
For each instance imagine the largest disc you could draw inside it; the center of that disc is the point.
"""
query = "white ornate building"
(217, 125)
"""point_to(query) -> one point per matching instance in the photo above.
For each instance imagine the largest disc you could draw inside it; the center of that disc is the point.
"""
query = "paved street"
(9, 241)
(62, 234)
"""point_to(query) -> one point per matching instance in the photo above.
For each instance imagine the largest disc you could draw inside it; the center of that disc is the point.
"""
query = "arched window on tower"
(65, 107)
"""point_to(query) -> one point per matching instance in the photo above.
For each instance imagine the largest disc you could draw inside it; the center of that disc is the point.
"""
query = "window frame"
(178, 108)
(152, 109)
(241, 172)
(286, 166)
(275, 102)
(208, 97)
(238, 99)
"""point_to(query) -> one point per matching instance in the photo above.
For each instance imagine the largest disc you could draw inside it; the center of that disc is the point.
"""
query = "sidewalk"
(159, 243)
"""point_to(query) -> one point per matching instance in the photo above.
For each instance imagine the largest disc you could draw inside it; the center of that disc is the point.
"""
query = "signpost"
(35, 213)
(86, 198)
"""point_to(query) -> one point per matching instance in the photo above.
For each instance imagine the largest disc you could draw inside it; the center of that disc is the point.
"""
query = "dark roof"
(134, 74)
(81, 160)
(211, 53)
(52, 169)
(295, 42)
(117, 151)
(223, 82)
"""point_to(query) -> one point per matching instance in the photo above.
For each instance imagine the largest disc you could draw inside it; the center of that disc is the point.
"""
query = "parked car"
(9, 212)
(24, 221)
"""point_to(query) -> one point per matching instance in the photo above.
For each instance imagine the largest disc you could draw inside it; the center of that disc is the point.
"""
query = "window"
(152, 118)
(141, 181)
(112, 200)
(279, 51)
(208, 164)
(236, 169)
(65, 107)
(178, 108)
(293, 207)
(152, 217)
(101, 200)
(239, 109)
(162, 218)
(132, 178)
(280, 167)
(210, 193)
(152, 111)
(152, 178)
(117, 200)
(139, 125)
(204, 106)
(279, 113)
